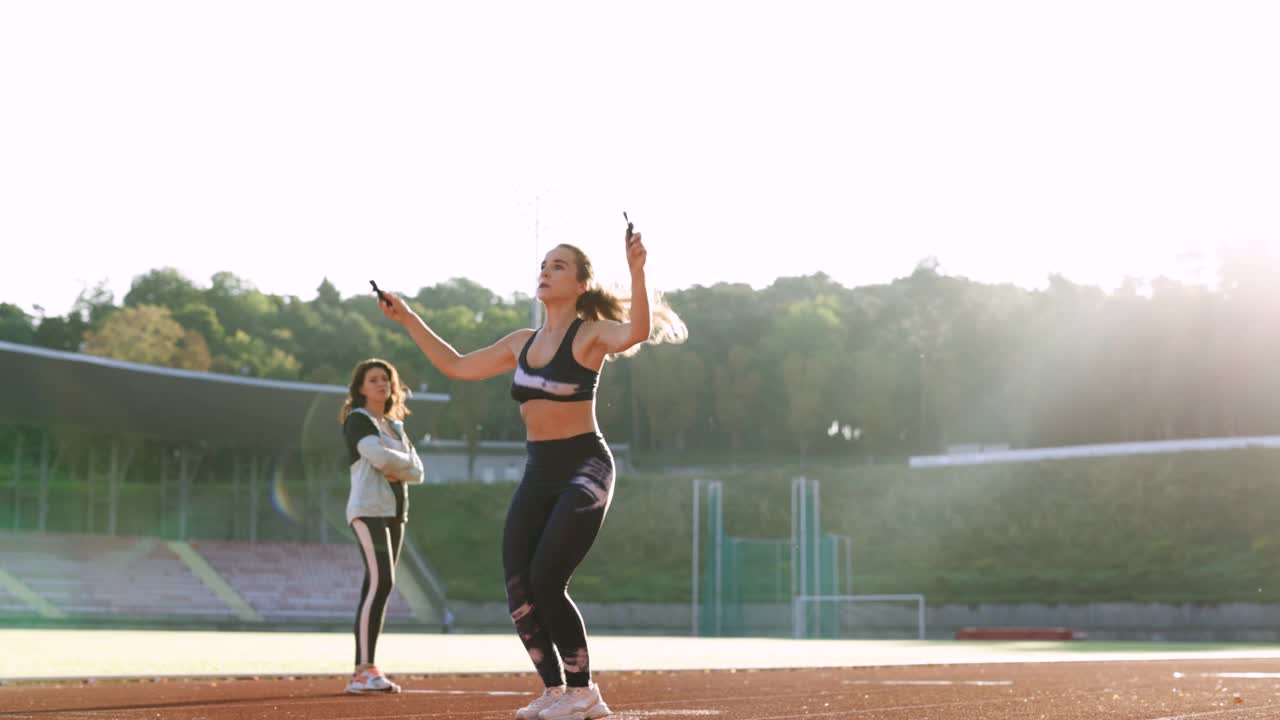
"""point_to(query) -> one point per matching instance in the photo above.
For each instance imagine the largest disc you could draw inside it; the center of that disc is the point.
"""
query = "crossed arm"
(396, 465)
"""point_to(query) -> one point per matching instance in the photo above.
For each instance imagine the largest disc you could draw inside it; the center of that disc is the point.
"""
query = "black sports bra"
(563, 379)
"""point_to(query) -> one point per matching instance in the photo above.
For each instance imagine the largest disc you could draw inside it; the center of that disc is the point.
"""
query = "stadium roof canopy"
(50, 388)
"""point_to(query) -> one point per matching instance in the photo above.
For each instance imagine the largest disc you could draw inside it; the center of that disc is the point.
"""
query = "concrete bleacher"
(104, 576)
(295, 581)
(12, 605)
(90, 577)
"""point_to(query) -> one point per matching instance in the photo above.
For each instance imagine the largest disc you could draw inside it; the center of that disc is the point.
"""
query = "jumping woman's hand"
(636, 253)
(398, 310)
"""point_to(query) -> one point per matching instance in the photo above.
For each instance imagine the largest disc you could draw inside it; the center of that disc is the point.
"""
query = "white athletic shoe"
(371, 681)
(544, 701)
(577, 704)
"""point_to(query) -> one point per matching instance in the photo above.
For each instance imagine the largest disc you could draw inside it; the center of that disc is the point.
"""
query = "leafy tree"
(458, 292)
(15, 325)
(61, 333)
(148, 334)
(165, 287)
(736, 385)
(671, 382)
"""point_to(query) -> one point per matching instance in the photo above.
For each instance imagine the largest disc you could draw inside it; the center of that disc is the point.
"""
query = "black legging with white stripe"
(380, 539)
(556, 512)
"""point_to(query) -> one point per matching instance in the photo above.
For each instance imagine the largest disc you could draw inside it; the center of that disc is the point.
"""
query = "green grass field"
(1186, 528)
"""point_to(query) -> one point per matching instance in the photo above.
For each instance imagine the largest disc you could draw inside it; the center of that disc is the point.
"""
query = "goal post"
(843, 606)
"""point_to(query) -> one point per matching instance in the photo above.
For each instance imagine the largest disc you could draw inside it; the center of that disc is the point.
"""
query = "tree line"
(805, 367)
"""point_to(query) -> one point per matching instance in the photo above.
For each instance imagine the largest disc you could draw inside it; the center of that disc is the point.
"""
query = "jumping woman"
(560, 504)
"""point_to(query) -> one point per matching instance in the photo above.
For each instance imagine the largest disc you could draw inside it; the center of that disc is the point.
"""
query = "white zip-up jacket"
(373, 453)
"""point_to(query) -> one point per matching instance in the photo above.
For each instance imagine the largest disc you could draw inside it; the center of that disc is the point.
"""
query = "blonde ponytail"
(598, 303)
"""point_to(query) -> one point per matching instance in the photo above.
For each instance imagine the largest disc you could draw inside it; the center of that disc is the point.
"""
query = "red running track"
(1147, 690)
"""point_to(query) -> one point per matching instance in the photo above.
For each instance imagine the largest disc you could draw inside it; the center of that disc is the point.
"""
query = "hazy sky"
(292, 141)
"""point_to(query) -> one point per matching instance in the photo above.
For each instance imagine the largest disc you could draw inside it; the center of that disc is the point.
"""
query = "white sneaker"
(371, 681)
(577, 704)
(546, 700)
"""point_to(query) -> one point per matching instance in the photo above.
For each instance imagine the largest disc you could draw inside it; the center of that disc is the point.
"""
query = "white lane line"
(981, 683)
(1233, 675)
(892, 709)
(469, 692)
(640, 714)
(1212, 713)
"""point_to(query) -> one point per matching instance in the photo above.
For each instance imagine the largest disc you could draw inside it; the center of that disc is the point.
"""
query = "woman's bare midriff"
(551, 420)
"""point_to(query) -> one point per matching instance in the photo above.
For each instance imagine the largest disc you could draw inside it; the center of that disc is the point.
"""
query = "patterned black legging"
(554, 517)
(380, 539)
